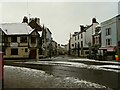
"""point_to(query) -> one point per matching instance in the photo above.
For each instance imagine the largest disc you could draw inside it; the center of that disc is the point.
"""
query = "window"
(81, 43)
(108, 41)
(75, 45)
(82, 52)
(96, 40)
(78, 45)
(119, 43)
(33, 39)
(108, 31)
(81, 35)
(4, 51)
(26, 50)
(75, 38)
(78, 36)
(23, 39)
(87, 52)
(14, 51)
(72, 45)
(3, 39)
(14, 39)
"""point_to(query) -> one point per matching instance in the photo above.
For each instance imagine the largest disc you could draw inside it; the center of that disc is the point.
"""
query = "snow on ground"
(109, 66)
(19, 77)
(80, 65)
(64, 63)
(91, 60)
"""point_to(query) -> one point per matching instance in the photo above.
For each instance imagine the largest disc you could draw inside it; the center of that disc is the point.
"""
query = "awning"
(102, 48)
(109, 49)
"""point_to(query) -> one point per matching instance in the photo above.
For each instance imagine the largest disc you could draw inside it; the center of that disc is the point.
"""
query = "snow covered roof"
(16, 28)
(99, 32)
(98, 25)
(40, 33)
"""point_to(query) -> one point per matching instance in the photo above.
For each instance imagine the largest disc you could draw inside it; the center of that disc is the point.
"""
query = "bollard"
(116, 57)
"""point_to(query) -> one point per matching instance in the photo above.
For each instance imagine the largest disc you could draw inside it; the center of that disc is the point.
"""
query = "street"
(61, 72)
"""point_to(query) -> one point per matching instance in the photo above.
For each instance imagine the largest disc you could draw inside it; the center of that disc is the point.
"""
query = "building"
(34, 23)
(61, 49)
(45, 38)
(81, 42)
(54, 48)
(110, 38)
(19, 41)
(96, 44)
(73, 43)
(46, 41)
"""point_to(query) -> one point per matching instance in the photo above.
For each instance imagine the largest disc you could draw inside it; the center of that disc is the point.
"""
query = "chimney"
(30, 19)
(82, 28)
(25, 20)
(37, 20)
(94, 20)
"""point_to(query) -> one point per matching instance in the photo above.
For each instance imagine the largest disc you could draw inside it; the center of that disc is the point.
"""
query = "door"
(32, 54)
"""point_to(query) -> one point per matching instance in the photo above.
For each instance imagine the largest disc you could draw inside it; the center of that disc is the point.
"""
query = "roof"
(49, 30)
(40, 33)
(88, 27)
(83, 30)
(16, 28)
(35, 25)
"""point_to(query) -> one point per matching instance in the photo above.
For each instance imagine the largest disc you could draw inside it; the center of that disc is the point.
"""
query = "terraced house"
(19, 40)
(81, 42)
(110, 38)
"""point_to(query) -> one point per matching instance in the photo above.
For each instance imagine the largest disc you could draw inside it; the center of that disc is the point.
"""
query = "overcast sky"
(62, 18)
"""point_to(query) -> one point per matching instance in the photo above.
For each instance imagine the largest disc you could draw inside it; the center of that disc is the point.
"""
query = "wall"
(88, 34)
(118, 27)
(21, 53)
(111, 23)
(34, 44)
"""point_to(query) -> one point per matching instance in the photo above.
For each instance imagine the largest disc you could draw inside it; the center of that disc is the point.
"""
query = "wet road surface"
(106, 78)
(19, 77)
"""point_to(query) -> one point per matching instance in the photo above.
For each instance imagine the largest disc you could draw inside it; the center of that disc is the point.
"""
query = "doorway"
(32, 54)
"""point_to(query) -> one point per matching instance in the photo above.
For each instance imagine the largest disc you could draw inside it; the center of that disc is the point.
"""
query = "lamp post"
(78, 49)
(70, 45)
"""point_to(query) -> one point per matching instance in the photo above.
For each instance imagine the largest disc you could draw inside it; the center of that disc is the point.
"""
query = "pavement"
(81, 60)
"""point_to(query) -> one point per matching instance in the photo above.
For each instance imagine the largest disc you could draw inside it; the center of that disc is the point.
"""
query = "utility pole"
(70, 45)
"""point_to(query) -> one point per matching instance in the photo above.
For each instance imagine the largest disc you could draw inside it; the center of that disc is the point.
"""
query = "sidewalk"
(94, 61)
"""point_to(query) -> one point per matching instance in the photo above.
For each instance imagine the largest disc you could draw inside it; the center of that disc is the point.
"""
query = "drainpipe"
(117, 28)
